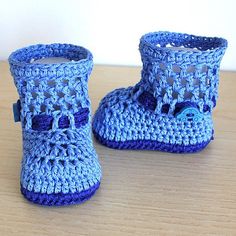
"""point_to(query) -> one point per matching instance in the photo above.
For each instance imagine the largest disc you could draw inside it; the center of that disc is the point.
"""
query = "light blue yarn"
(179, 79)
(128, 120)
(78, 171)
(59, 160)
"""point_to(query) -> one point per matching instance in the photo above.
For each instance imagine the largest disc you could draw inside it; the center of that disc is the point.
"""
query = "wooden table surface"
(142, 192)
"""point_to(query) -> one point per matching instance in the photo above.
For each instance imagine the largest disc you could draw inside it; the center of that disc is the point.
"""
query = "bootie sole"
(60, 199)
(151, 145)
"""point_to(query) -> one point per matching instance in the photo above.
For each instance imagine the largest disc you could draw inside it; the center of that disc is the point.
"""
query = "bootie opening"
(166, 40)
(30, 54)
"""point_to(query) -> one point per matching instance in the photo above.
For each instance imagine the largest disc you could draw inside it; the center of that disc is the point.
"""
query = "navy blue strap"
(44, 122)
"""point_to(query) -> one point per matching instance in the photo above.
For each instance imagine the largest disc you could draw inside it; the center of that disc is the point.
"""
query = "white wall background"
(111, 29)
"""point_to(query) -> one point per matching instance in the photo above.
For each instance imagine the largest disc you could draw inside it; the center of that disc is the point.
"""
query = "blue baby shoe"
(60, 165)
(170, 109)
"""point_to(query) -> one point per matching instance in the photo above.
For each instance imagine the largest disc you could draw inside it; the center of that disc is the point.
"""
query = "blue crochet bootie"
(60, 165)
(170, 109)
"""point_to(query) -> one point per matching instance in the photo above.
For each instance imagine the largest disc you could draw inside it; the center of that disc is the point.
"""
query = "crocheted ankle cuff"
(180, 68)
(81, 61)
(53, 95)
(171, 47)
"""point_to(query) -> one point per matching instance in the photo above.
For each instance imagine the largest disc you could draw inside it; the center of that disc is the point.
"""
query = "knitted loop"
(54, 122)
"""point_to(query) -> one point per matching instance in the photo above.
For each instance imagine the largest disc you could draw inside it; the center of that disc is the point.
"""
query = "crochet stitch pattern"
(170, 109)
(59, 166)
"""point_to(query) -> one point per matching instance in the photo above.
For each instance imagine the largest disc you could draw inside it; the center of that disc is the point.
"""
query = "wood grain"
(142, 192)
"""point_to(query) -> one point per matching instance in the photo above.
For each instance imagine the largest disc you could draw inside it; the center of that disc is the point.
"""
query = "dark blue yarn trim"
(165, 108)
(151, 145)
(147, 100)
(59, 199)
(44, 122)
(150, 103)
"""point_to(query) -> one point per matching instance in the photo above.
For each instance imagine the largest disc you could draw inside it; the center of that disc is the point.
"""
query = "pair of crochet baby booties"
(170, 109)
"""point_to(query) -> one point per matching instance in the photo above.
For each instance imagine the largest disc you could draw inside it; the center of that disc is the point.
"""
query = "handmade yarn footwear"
(170, 109)
(60, 165)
